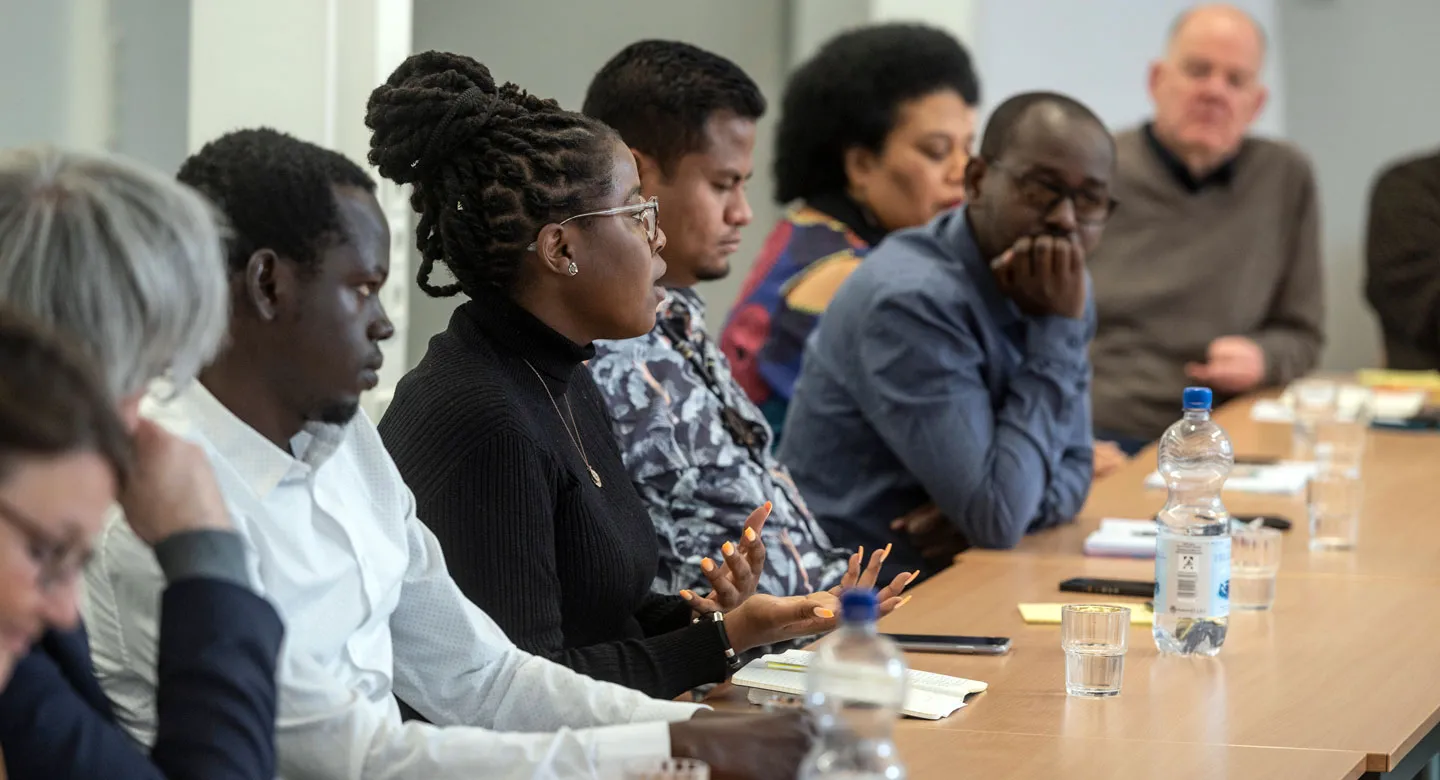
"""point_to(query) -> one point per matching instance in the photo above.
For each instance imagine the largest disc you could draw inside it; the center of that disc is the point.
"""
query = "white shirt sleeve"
(326, 730)
(441, 637)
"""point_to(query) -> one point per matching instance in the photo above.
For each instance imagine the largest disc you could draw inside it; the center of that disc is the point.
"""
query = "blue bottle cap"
(859, 605)
(1197, 398)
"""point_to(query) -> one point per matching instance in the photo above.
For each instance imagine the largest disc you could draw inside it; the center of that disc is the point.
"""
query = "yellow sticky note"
(1140, 615)
(1415, 380)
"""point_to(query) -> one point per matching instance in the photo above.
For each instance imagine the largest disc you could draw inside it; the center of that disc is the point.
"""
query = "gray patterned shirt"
(701, 457)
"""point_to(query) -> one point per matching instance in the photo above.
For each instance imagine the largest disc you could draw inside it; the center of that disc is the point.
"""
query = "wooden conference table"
(1341, 677)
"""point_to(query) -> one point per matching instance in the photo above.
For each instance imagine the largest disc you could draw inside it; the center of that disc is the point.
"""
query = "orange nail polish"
(769, 506)
(727, 548)
(885, 553)
(687, 595)
(903, 602)
(750, 534)
(861, 553)
(707, 565)
(914, 576)
(822, 612)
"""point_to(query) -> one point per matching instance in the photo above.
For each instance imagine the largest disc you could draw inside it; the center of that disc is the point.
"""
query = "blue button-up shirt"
(924, 383)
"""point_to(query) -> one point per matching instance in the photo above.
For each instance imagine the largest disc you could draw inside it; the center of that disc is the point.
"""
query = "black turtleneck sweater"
(563, 566)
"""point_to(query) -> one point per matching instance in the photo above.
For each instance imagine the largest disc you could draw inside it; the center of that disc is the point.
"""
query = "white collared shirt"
(369, 609)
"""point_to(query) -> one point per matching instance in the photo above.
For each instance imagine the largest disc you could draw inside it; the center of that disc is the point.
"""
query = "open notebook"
(1117, 538)
(931, 696)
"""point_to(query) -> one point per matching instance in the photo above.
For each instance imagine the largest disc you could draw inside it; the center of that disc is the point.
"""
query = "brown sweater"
(1182, 264)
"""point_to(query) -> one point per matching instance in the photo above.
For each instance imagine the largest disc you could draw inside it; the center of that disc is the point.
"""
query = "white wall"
(55, 73)
(152, 80)
(1361, 93)
(523, 42)
(306, 68)
(1098, 51)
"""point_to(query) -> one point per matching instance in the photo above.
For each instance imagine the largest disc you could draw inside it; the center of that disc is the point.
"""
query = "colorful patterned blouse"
(804, 261)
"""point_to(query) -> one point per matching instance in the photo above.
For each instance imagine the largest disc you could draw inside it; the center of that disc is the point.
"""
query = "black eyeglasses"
(1092, 208)
(58, 562)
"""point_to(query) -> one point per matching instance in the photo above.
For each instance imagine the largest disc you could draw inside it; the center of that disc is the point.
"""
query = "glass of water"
(1336, 491)
(1334, 503)
(1094, 638)
(1254, 562)
(1314, 401)
(667, 769)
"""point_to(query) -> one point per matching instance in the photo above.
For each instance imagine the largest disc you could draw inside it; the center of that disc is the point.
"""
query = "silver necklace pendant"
(594, 476)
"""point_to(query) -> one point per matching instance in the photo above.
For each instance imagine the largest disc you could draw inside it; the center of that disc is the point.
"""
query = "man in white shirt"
(370, 609)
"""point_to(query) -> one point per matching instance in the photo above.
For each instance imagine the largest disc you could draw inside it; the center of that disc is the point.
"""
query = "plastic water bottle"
(1192, 551)
(855, 686)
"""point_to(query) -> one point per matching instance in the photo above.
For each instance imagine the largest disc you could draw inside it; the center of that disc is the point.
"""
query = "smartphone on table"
(947, 643)
(1108, 587)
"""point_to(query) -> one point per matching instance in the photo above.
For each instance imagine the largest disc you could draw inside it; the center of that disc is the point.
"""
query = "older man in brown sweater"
(1210, 271)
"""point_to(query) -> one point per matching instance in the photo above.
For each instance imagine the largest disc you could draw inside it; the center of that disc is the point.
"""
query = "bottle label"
(1192, 576)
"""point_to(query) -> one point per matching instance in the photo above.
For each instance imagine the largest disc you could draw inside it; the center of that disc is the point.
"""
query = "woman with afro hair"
(875, 132)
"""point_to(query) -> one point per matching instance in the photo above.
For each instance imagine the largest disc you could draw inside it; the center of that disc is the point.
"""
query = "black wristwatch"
(732, 659)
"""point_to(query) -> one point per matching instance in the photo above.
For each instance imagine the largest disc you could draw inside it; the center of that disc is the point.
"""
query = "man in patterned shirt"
(697, 449)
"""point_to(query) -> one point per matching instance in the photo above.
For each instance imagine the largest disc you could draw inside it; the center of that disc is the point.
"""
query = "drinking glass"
(1333, 504)
(1254, 562)
(1094, 638)
(1336, 491)
(1314, 400)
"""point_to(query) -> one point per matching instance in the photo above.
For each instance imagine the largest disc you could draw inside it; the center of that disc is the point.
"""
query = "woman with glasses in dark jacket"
(127, 263)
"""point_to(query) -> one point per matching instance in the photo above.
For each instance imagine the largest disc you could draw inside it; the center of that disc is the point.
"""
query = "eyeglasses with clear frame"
(647, 214)
(58, 562)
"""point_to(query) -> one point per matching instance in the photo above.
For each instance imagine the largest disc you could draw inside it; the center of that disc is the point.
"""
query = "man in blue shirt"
(951, 369)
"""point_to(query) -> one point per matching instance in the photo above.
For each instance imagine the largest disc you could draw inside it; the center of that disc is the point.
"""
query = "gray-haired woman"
(128, 264)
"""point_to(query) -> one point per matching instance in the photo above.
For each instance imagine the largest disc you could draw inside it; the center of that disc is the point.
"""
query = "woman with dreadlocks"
(500, 431)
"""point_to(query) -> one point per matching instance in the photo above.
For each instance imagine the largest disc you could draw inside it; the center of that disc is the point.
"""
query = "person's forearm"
(1044, 403)
(663, 666)
(415, 750)
(216, 697)
(1069, 487)
(1290, 352)
(208, 554)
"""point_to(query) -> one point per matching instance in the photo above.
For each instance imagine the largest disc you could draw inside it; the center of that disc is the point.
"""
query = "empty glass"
(667, 769)
(1313, 400)
(1094, 638)
(1254, 562)
(1336, 492)
(1333, 504)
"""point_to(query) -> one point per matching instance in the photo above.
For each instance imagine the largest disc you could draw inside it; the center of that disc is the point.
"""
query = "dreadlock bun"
(490, 164)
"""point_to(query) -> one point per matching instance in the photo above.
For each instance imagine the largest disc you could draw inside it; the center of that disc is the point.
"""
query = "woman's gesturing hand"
(735, 579)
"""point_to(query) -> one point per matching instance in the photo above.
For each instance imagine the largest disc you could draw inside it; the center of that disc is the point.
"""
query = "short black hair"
(847, 96)
(1000, 128)
(274, 190)
(491, 165)
(52, 400)
(659, 94)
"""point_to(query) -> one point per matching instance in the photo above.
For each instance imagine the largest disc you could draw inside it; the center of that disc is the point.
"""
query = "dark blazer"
(1402, 253)
(216, 699)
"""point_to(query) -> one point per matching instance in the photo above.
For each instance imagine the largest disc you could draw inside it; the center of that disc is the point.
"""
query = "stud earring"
(572, 269)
